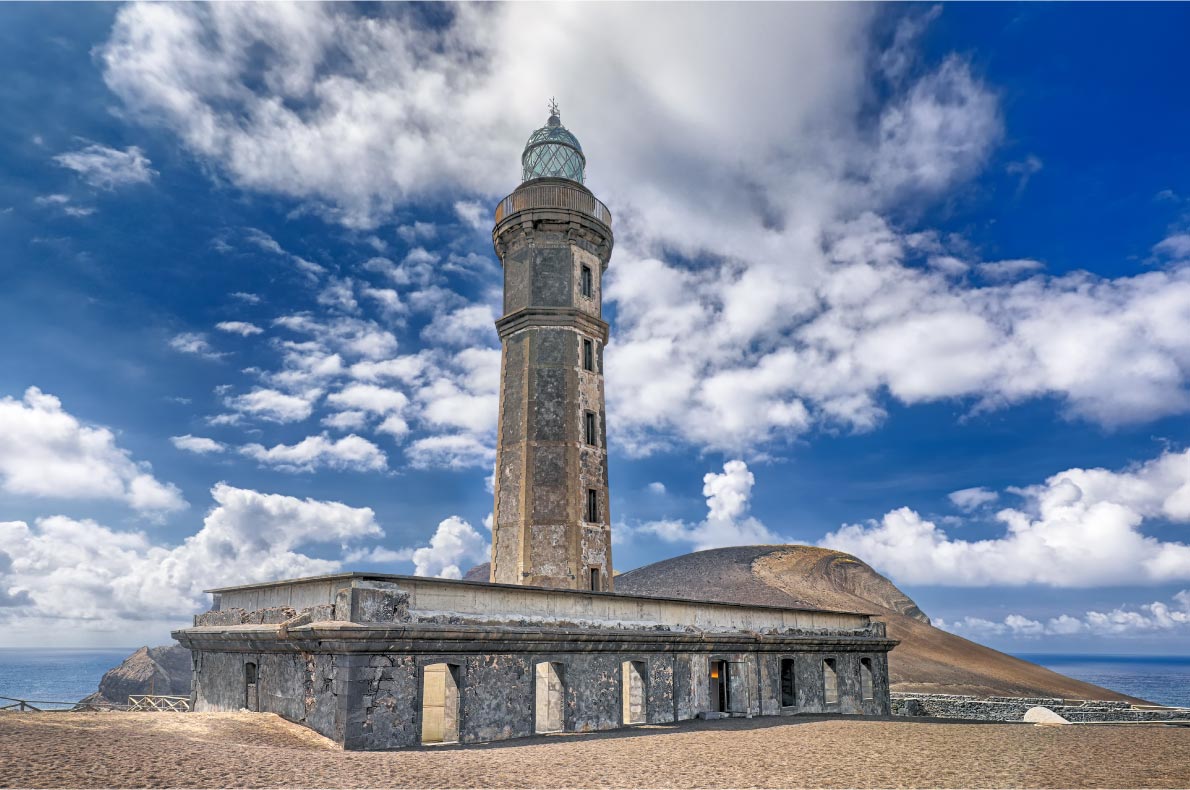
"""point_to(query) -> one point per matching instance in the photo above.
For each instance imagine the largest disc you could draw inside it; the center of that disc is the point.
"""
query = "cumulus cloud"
(47, 452)
(242, 328)
(81, 572)
(1157, 617)
(195, 343)
(350, 452)
(273, 405)
(727, 523)
(108, 168)
(972, 498)
(197, 444)
(454, 546)
(1080, 528)
(811, 305)
(369, 398)
(467, 326)
(450, 451)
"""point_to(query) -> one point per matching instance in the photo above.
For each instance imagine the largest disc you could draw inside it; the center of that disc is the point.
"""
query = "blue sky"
(892, 254)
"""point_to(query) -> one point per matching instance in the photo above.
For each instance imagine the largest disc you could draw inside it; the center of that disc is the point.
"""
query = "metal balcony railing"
(553, 195)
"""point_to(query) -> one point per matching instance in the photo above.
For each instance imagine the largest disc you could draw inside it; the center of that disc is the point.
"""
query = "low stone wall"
(956, 706)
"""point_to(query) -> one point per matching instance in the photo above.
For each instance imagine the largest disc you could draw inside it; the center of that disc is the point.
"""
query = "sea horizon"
(67, 674)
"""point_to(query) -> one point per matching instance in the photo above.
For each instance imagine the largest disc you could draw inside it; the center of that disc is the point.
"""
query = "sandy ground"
(262, 750)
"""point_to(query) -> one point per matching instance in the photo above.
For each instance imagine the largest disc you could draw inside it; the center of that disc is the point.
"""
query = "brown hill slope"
(928, 660)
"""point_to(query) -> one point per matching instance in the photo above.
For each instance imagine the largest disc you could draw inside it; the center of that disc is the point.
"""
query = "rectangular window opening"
(594, 577)
(592, 505)
(867, 691)
(589, 428)
(587, 281)
(588, 355)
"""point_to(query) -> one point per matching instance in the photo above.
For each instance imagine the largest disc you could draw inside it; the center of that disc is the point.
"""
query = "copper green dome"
(553, 152)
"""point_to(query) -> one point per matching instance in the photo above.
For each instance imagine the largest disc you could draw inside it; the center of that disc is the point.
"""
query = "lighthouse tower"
(551, 525)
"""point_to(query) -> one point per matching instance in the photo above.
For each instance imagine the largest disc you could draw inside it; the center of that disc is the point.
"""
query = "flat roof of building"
(392, 577)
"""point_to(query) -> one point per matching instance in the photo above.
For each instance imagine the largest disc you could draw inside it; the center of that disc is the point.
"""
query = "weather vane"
(554, 107)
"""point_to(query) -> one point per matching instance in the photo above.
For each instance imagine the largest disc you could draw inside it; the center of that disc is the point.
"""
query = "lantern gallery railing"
(553, 195)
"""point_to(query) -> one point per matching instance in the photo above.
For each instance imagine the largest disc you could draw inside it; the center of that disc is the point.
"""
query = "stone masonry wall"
(955, 706)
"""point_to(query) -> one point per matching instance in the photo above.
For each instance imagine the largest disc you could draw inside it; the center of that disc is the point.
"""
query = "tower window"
(588, 355)
(589, 427)
(594, 574)
(587, 281)
(592, 505)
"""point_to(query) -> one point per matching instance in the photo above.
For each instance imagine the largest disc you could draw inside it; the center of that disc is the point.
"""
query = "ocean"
(68, 675)
(1161, 679)
(56, 675)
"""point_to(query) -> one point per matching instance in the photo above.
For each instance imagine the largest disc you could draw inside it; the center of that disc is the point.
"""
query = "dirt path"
(262, 750)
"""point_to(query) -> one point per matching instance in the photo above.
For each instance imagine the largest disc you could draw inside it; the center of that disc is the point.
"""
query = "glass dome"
(553, 152)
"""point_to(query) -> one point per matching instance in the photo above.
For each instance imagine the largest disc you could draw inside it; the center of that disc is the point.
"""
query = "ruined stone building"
(378, 661)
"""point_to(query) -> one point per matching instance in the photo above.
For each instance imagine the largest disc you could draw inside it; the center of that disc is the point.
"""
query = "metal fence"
(553, 196)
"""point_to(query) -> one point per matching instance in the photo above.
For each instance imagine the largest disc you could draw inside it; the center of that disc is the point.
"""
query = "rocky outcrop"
(150, 670)
(928, 660)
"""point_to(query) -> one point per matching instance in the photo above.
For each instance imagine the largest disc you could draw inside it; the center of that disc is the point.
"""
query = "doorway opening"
(720, 680)
(251, 697)
(830, 682)
(865, 679)
(632, 674)
(550, 695)
(788, 684)
(440, 703)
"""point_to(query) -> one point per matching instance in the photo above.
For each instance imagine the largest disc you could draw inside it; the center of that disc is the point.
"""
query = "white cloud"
(466, 326)
(247, 298)
(47, 452)
(369, 398)
(275, 406)
(194, 343)
(972, 498)
(197, 444)
(394, 426)
(85, 575)
(1174, 246)
(346, 420)
(350, 452)
(1008, 270)
(454, 547)
(1081, 528)
(264, 241)
(65, 204)
(242, 328)
(807, 300)
(450, 451)
(727, 522)
(656, 487)
(339, 293)
(109, 168)
(1152, 618)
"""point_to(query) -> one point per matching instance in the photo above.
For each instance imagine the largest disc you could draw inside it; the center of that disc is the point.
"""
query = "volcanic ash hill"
(928, 660)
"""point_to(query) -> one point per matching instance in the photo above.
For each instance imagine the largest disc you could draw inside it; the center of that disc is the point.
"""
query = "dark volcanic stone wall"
(373, 700)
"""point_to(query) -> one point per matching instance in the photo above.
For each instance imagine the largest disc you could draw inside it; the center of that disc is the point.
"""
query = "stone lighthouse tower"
(552, 527)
